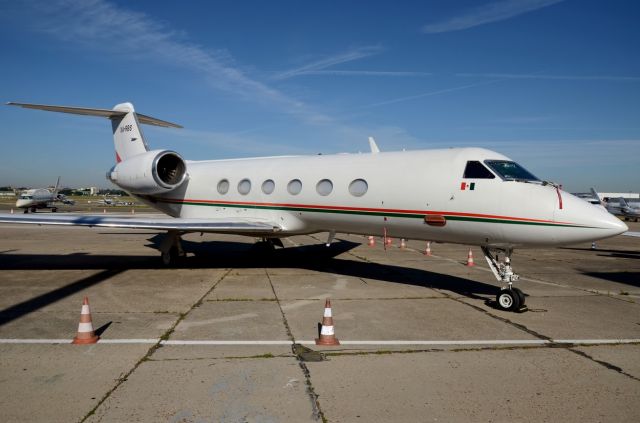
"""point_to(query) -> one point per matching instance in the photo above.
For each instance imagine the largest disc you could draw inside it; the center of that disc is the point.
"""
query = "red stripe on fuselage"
(365, 209)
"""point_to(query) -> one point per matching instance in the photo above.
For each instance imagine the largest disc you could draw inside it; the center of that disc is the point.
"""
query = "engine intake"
(153, 172)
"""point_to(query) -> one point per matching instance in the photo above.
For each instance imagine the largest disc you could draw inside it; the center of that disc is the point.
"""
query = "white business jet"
(41, 198)
(469, 196)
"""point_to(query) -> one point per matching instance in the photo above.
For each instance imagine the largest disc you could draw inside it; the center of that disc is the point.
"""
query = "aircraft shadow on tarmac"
(215, 255)
(627, 278)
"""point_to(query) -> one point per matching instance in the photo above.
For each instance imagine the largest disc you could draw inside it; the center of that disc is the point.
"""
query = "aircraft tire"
(508, 300)
(521, 296)
(53, 210)
(169, 258)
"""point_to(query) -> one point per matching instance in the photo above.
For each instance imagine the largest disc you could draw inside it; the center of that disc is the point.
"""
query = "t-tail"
(128, 138)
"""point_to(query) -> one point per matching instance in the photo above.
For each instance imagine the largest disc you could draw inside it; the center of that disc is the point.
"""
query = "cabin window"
(324, 187)
(268, 186)
(476, 170)
(244, 186)
(294, 187)
(510, 171)
(358, 187)
(223, 186)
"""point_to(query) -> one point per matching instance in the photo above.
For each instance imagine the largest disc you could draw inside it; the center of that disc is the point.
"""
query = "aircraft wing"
(234, 226)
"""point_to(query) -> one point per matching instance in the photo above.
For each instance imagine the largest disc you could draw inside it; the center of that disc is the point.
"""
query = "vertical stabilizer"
(55, 190)
(127, 134)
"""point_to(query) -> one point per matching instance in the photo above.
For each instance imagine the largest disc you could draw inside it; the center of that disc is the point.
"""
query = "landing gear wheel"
(508, 300)
(33, 209)
(170, 258)
(521, 296)
(53, 210)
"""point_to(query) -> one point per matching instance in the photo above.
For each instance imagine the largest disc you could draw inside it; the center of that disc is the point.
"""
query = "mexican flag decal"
(470, 186)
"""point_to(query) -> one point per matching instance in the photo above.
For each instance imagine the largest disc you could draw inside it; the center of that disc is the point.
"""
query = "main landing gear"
(171, 249)
(509, 298)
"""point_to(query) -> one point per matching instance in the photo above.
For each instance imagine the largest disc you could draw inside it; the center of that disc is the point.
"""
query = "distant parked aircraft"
(42, 198)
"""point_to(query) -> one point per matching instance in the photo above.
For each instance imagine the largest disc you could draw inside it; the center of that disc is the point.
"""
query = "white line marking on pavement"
(342, 342)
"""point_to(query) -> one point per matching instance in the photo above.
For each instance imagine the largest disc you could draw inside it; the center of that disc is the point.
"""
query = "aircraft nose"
(613, 226)
(586, 221)
(603, 223)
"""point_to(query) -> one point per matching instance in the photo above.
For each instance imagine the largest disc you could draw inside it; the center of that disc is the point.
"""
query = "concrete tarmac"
(228, 335)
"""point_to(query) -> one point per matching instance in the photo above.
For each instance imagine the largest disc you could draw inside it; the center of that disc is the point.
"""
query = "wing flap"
(236, 226)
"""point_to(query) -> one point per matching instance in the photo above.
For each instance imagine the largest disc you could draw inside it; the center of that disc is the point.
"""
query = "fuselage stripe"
(416, 214)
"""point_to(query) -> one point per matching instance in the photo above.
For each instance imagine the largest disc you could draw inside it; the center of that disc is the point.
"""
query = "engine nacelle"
(153, 172)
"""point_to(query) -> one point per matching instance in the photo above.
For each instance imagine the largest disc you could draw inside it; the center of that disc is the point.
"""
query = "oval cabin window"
(358, 187)
(223, 186)
(244, 186)
(324, 187)
(268, 186)
(294, 187)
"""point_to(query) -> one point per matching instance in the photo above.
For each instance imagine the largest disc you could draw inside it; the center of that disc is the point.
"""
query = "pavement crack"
(502, 319)
(317, 413)
(153, 348)
(605, 364)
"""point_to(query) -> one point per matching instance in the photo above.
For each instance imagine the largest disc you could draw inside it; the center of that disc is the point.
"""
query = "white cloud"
(552, 77)
(133, 35)
(488, 13)
(366, 73)
(428, 94)
(348, 56)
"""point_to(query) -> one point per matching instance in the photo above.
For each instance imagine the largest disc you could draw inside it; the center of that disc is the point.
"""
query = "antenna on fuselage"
(373, 146)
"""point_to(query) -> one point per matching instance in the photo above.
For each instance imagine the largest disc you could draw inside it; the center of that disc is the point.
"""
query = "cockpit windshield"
(26, 197)
(510, 171)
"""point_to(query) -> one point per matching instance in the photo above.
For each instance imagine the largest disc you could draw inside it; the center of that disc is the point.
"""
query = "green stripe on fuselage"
(368, 213)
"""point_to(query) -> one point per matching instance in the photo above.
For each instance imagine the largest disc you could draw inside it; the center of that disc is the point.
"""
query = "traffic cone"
(403, 244)
(85, 335)
(133, 211)
(327, 336)
(427, 251)
(470, 262)
(11, 211)
(388, 242)
(372, 241)
(104, 211)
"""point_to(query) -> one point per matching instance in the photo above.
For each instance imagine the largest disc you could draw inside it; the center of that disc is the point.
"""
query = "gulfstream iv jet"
(469, 196)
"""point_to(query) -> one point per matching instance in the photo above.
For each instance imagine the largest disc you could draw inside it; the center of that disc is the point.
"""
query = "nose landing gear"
(509, 298)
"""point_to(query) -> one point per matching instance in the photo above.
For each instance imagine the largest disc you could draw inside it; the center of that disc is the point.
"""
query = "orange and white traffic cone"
(11, 211)
(85, 335)
(104, 211)
(470, 262)
(403, 244)
(388, 242)
(327, 336)
(371, 242)
(133, 211)
(427, 251)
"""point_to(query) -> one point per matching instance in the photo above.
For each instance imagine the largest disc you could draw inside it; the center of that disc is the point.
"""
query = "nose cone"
(585, 221)
(610, 224)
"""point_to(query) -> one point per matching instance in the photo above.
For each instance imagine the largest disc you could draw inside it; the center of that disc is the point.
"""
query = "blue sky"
(553, 84)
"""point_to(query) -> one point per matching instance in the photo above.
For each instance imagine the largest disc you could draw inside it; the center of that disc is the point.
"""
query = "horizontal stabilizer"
(96, 112)
(235, 226)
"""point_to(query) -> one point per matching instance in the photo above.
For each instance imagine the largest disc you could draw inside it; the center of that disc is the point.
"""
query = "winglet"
(373, 146)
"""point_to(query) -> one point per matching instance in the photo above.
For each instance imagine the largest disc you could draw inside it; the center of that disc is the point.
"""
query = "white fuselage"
(35, 198)
(402, 189)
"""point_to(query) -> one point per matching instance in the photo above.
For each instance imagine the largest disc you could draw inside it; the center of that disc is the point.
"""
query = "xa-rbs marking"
(419, 195)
